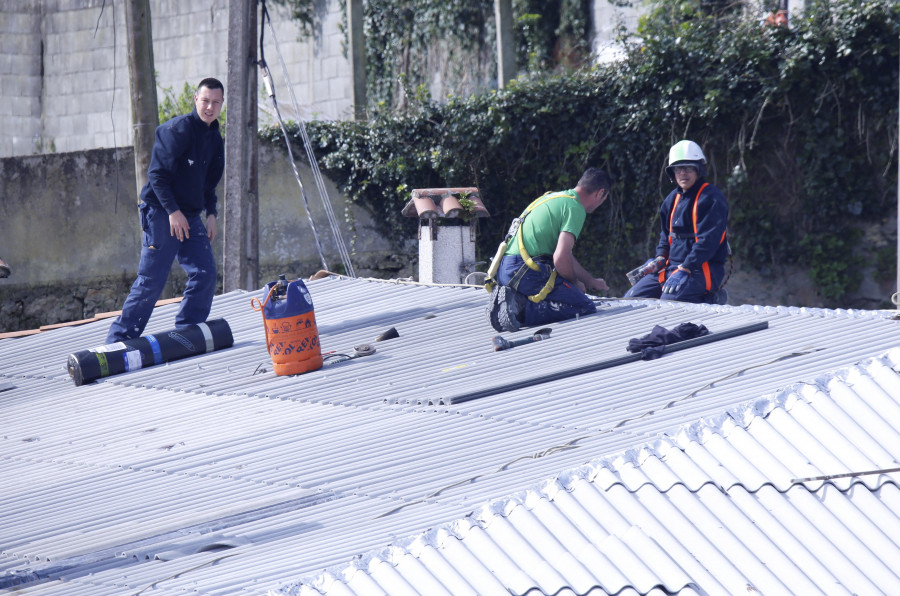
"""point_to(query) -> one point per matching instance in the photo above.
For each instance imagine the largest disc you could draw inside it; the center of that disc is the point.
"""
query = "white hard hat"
(686, 153)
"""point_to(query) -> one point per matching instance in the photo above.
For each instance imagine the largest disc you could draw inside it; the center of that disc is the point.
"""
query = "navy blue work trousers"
(693, 290)
(564, 302)
(159, 249)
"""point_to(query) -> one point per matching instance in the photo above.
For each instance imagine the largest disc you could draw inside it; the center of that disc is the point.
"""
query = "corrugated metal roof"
(713, 508)
(209, 475)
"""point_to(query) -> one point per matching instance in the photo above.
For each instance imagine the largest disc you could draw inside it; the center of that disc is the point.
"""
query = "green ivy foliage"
(400, 37)
(409, 41)
(173, 104)
(551, 33)
(303, 12)
(799, 125)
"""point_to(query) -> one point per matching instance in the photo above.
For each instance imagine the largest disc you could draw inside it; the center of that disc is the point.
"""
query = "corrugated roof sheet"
(210, 475)
(713, 508)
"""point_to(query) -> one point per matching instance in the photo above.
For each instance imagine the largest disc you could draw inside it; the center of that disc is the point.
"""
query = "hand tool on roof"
(360, 350)
(651, 266)
(503, 344)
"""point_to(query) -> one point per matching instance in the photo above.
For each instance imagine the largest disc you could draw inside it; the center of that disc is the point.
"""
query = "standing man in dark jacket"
(186, 165)
(692, 250)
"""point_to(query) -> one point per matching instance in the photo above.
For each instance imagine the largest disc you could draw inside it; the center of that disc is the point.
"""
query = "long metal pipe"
(610, 363)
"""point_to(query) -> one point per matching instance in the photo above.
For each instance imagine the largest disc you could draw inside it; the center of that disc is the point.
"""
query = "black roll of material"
(133, 354)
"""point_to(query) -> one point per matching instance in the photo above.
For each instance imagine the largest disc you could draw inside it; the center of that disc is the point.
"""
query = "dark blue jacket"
(687, 246)
(186, 165)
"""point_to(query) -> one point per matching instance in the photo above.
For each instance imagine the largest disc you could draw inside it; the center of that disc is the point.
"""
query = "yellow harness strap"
(534, 204)
(551, 281)
(495, 264)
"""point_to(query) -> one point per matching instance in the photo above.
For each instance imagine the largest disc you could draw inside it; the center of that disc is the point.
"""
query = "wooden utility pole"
(144, 110)
(241, 252)
(506, 47)
(357, 43)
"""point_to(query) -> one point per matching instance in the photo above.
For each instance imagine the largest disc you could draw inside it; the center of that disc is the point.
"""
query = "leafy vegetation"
(799, 125)
(413, 44)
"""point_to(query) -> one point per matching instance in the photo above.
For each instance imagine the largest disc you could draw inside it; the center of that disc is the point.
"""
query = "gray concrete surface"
(69, 228)
(64, 71)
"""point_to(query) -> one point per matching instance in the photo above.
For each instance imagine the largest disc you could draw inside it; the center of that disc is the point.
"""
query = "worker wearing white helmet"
(689, 265)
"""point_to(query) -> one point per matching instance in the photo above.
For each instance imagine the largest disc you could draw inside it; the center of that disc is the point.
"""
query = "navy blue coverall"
(186, 165)
(692, 234)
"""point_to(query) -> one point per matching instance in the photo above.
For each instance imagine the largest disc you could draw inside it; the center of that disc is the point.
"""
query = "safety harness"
(530, 263)
(672, 235)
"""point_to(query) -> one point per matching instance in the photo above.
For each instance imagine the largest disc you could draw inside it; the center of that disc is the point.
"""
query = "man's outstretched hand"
(599, 285)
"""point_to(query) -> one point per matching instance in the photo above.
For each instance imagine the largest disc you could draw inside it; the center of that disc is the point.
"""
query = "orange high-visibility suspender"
(705, 266)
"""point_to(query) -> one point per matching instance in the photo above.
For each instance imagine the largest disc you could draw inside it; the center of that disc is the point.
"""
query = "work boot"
(508, 309)
(492, 309)
(4, 269)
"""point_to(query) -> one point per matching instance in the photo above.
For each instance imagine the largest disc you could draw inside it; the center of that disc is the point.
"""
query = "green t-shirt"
(541, 228)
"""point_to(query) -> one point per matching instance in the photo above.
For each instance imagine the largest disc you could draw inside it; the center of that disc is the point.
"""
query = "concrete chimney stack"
(447, 224)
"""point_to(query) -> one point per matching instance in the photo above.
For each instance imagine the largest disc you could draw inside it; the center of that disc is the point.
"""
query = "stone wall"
(64, 82)
(64, 72)
(69, 228)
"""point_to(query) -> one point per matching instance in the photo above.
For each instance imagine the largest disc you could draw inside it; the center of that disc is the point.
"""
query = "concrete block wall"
(20, 77)
(70, 230)
(64, 79)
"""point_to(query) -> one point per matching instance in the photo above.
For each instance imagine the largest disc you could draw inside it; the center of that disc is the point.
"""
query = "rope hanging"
(317, 175)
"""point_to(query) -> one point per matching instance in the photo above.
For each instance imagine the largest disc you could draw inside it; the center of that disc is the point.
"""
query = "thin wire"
(267, 79)
(317, 175)
(113, 102)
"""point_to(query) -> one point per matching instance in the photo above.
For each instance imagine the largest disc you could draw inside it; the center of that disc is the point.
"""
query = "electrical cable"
(314, 166)
(317, 175)
(270, 88)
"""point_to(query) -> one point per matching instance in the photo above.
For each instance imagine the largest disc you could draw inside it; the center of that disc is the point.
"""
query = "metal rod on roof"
(613, 362)
(847, 475)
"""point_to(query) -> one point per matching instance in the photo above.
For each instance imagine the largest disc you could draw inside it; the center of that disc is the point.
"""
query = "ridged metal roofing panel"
(212, 474)
(652, 505)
